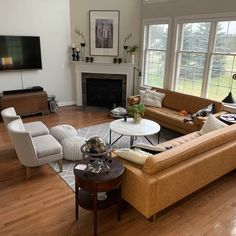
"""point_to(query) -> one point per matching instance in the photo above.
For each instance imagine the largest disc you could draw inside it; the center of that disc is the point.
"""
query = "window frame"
(145, 37)
(178, 26)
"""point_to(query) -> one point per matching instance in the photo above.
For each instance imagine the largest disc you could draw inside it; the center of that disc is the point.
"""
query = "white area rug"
(102, 130)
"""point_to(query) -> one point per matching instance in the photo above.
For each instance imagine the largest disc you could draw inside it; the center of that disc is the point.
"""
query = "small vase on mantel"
(132, 58)
(82, 51)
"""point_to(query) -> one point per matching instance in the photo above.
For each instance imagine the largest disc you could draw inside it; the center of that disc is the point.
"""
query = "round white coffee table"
(129, 128)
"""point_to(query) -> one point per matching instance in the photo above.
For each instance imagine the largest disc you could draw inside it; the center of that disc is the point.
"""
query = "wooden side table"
(88, 184)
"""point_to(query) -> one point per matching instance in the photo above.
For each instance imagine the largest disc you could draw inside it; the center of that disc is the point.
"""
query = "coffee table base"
(132, 138)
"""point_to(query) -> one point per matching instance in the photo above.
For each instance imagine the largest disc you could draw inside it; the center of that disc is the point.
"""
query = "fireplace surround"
(109, 71)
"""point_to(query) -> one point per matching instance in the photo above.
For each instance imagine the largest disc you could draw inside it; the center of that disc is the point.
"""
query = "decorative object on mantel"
(136, 111)
(104, 32)
(132, 50)
(82, 45)
(126, 47)
(77, 54)
(117, 60)
(86, 59)
(89, 59)
(229, 98)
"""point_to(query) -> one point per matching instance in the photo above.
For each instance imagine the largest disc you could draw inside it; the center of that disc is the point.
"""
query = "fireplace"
(103, 90)
(103, 70)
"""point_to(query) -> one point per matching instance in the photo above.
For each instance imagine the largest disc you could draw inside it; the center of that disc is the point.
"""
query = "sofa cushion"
(179, 101)
(152, 98)
(134, 155)
(211, 124)
(187, 150)
(166, 114)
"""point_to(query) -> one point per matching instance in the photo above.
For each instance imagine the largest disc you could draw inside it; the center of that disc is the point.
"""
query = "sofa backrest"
(189, 103)
(193, 148)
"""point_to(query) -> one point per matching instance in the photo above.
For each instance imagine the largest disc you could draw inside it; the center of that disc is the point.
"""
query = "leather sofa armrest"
(200, 120)
(133, 99)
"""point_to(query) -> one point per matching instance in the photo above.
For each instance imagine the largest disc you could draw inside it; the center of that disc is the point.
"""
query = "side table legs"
(95, 213)
(76, 202)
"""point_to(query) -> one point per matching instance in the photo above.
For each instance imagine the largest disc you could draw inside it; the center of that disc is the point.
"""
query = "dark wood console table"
(26, 103)
(88, 184)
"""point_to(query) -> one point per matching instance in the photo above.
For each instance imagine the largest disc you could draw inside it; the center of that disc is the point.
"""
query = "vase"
(137, 118)
(82, 51)
(132, 58)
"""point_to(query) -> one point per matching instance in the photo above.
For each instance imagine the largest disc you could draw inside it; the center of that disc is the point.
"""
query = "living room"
(44, 204)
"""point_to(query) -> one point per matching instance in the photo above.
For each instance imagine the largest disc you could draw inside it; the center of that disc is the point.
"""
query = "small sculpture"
(96, 145)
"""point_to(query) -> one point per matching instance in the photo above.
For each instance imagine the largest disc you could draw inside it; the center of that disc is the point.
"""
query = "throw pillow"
(141, 93)
(202, 112)
(152, 98)
(211, 124)
(137, 156)
(205, 111)
(150, 148)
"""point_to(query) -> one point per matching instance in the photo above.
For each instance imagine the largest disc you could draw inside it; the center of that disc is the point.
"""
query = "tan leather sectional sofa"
(194, 161)
(169, 114)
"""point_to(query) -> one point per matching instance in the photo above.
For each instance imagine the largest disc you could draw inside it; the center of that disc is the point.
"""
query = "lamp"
(229, 98)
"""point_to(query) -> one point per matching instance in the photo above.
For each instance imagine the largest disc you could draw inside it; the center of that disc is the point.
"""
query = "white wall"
(130, 11)
(50, 20)
(187, 8)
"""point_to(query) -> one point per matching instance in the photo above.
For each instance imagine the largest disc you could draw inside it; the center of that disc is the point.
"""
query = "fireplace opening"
(104, 90)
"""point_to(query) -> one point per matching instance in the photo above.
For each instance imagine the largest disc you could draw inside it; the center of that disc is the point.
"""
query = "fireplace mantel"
(103, 68)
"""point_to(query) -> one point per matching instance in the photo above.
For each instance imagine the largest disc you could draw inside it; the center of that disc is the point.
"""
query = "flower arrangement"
(132, 49)
(136, 108)
(81, 35)
(136, 111)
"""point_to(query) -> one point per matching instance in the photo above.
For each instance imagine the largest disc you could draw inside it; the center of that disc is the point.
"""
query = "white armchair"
(34, 151)
(35, 128)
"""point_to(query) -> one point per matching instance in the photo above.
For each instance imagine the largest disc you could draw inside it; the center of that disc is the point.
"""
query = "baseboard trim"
(63, 104)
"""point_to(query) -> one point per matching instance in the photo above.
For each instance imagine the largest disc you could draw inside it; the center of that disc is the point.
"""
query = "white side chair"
(35, 128)
(35, 151)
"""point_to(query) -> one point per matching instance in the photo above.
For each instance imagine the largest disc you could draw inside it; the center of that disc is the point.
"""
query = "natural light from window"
(155, 55)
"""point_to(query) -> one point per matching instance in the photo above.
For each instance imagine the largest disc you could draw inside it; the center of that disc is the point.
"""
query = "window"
(155, 47)
(223, 61)
(206, 58)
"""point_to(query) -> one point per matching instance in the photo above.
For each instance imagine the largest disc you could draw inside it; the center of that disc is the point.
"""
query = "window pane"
(220, 81)
(196, 36)
(225, 37)
(190, 73)
(154, 68)
(158, 36)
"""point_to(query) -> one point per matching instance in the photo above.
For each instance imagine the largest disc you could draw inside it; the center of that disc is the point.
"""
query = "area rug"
(102, 130)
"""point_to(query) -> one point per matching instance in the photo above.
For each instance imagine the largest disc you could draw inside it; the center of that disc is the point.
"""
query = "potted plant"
(132, 50)
(136, 111)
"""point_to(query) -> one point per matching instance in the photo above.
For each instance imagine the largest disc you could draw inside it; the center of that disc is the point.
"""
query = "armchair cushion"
(36, 128)
(46, 145)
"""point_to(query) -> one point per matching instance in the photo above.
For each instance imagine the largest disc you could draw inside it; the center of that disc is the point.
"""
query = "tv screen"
(20, 52)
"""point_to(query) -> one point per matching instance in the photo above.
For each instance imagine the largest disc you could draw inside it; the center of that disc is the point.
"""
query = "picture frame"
(104, 32)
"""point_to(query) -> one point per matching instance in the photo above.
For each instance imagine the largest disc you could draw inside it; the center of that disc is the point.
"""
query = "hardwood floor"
(44, 205)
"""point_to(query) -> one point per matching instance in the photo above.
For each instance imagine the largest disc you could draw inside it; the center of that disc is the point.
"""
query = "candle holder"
(77, 56)
(73, 54)
(82, 51)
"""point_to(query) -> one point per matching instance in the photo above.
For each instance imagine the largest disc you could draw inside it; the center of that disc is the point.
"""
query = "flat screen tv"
(20, 52)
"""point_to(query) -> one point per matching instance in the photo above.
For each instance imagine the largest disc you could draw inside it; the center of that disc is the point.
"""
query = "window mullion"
(208, 62)
(179, 46)
(145, 53)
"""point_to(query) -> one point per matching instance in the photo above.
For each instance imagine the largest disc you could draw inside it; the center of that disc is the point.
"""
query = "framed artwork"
(104, 32)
